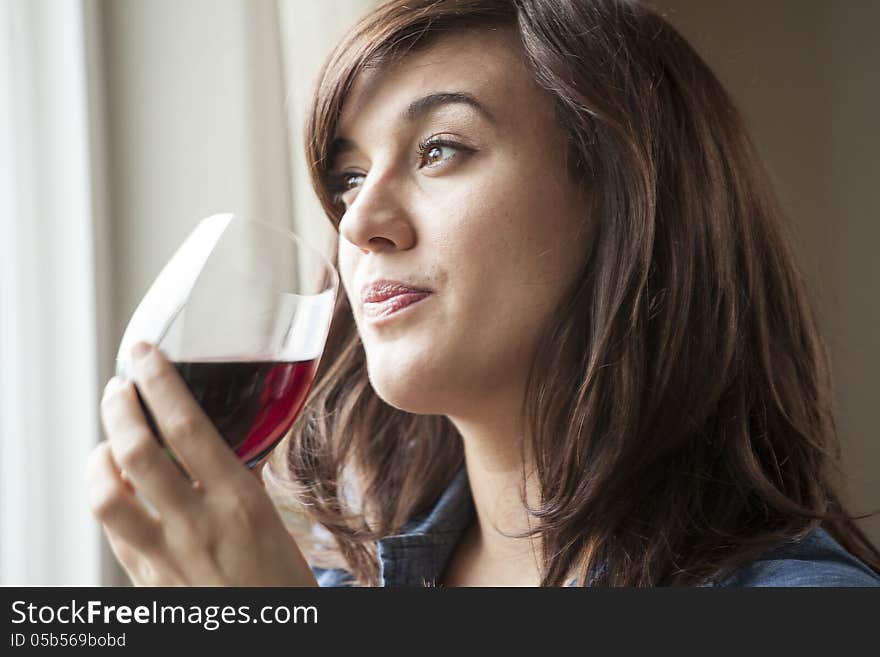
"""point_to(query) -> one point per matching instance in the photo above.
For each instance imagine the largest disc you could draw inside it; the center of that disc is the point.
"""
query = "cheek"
(517, 231)
(505, 282)
(519, 249)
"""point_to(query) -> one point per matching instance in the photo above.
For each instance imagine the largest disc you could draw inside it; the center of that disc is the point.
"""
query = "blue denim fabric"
(419, 554)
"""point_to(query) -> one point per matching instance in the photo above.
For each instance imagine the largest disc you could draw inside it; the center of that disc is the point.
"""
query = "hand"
(220, 529)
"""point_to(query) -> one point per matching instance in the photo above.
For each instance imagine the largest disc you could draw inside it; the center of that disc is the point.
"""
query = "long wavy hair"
(680, 405)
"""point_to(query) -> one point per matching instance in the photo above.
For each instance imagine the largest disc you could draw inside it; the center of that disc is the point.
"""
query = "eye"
(350, 181)
(435, 151)
(343, 183)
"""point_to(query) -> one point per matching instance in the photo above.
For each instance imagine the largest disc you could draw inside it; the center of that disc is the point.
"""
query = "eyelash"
(430, 142)
(337, 186)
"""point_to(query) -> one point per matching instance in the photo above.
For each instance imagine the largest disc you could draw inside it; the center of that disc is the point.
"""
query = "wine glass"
(242, 310)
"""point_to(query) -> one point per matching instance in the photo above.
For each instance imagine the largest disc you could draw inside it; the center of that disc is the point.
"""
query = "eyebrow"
(421, 106)
(416, 110)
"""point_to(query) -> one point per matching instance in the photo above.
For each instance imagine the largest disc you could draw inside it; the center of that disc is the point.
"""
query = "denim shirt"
(418, 555)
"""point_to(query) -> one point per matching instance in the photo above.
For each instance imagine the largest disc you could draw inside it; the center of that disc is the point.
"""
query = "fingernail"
(141, 350)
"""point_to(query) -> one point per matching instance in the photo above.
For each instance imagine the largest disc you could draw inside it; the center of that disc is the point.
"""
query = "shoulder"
(817, 560)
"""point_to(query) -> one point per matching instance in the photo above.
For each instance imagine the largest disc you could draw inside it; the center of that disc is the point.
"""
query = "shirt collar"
(418, 555)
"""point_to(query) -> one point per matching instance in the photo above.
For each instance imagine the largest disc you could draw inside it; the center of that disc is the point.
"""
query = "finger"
(135, 449)
(115, 505)
(133, 562)
(143, 570)
(183, 424)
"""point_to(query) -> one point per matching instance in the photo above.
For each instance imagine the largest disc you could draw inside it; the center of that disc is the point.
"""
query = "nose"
(377, 220)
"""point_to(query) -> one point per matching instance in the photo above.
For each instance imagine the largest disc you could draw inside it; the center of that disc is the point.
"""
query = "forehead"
(484, 63)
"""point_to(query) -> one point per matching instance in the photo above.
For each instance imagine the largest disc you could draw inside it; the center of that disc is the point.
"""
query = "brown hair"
(682, 422)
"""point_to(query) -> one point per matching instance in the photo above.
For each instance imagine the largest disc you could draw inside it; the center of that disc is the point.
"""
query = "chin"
(413, 387)
(404, 394)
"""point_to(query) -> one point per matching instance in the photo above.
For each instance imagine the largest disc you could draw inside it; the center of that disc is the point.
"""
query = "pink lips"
(382, 298)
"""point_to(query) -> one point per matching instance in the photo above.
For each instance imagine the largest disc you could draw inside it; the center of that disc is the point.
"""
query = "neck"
(494, 461)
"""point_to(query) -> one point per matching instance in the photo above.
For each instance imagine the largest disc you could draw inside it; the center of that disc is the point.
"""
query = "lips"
(382, 298)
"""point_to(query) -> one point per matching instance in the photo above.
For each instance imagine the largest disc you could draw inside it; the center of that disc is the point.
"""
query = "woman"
(573, 345)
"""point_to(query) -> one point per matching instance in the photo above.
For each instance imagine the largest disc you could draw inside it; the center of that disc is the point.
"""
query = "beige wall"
(309, 31)
(805, 72)
(195, 108)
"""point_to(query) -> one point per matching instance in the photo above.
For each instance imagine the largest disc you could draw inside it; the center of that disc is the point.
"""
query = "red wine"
(251, 403)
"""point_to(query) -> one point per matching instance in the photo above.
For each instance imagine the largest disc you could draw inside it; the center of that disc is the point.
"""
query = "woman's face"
(451, 167)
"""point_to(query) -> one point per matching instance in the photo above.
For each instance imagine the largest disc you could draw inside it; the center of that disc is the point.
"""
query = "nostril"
(379, 243)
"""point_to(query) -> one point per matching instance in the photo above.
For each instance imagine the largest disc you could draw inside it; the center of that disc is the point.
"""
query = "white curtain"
(48, 317)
